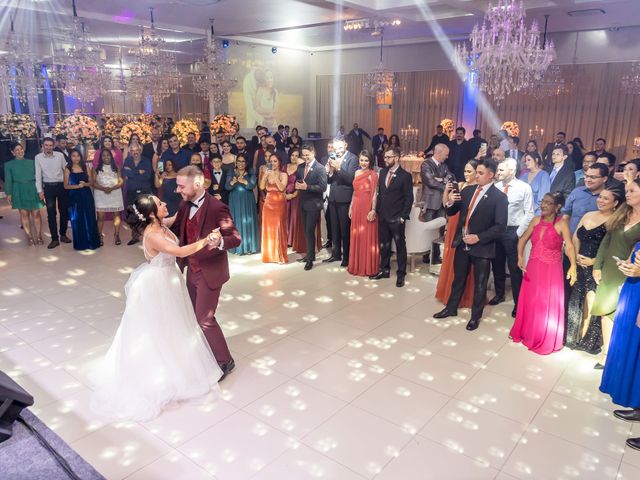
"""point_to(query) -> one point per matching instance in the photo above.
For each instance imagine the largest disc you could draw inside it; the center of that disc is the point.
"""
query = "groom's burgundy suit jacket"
(213, 261)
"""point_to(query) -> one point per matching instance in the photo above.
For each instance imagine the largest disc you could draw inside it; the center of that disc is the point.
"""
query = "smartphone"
(332, 155)
(268, 166)
(617, 259)
(484, 145)
(161, 167)
(454, 187)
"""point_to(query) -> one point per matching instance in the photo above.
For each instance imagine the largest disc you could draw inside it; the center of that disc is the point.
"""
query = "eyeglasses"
(593, 177)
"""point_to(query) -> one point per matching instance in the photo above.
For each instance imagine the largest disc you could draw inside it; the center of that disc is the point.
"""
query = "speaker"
(13, 398)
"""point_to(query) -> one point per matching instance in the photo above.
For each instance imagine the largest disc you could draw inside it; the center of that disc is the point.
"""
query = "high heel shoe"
(31, 241)
(39, 241)
(117, 242)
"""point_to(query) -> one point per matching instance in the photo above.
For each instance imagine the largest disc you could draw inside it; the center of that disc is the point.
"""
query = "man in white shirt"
(50, 167)
(520, 213)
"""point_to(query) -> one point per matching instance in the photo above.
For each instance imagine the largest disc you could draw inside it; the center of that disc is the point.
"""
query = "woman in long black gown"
(583, 331)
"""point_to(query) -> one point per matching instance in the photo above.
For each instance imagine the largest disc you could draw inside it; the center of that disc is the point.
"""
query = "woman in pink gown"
(540, 316)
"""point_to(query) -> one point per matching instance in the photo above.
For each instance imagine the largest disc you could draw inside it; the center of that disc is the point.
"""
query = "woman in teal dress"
(20, 187)
(242, 203)
(82, 209)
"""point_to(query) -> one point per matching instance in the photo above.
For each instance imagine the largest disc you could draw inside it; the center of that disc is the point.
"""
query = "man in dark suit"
(150, 149)
(199, 214)
(377, 142)
(281, 138)
(476, 142)
(459, 154)
(393, 207)
(600, 151)
(311, 181)
(61, 146)
(219, 181)
(439, 137)
(514, 152)
(483, 219)
(561, 138)
(342, 170)
(434, 175)
(562, 176)
(355, 139)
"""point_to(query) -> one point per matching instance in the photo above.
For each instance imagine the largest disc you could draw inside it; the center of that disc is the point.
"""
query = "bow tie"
(194, 204)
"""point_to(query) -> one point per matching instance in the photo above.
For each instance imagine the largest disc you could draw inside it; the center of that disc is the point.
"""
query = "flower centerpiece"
(114, 125)
(226, 124)
(150, 119)
(80, 129)
(512, 128)
(447, 126)
(183, 128)
(17, 126)
(143, 131)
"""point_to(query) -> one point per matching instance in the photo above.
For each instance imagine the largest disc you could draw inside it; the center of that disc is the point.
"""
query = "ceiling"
(310, 25)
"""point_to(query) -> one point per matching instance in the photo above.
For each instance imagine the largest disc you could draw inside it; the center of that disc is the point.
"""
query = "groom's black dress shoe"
(628, 415)
(308, 265)
(514, 311)
(226, 369)
(496, 300)
(302, 260)
(634, 443)
(445, 313)
(400, 281)
(331, 259)
(473, 324)
(380, 275)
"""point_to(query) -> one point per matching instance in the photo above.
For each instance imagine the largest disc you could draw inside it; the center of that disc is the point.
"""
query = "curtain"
(345, 107)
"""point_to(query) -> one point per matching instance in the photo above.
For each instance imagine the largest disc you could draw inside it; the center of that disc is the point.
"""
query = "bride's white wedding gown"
(159, 354)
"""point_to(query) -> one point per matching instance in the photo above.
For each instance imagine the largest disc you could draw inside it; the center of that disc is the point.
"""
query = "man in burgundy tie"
(483, 219)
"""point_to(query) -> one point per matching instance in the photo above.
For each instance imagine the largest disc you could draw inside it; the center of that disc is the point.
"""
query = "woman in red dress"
(364, 253)
(274, 213)
(445, 280)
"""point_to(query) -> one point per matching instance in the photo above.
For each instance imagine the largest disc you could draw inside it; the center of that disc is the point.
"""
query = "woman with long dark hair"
(107, 193)
(159, 355)
(274, 213)
(82, 209)
(242, 204)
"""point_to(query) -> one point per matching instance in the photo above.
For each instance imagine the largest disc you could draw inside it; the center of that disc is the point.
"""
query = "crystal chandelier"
(551, 82)
(79, 69)
(17, 68)
(381, 82)
(631, 81)
(504, 55)
(211, 79)
(154, 72)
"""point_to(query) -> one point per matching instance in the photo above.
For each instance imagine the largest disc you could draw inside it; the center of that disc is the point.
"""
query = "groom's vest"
(193, 231)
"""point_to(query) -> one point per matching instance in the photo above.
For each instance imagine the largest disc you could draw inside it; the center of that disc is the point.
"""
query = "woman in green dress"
(623, 232)
(20, 187)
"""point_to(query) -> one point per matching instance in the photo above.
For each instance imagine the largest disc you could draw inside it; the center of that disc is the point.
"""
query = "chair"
(420, 235)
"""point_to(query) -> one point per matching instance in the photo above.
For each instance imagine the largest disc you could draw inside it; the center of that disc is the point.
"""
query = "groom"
(209, 268)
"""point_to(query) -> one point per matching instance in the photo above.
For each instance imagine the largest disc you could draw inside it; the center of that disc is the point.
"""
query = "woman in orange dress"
(274, 213)
(445, 280)
(364, 253)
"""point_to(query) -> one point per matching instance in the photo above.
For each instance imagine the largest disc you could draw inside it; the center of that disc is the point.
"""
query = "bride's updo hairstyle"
(141, 213)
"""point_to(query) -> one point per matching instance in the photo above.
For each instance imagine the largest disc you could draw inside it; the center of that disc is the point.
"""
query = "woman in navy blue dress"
(82, 209)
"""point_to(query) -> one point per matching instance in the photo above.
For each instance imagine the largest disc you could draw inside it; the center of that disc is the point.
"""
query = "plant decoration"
(143, 131)
(79, 129)
(448, 126)
(512, 128)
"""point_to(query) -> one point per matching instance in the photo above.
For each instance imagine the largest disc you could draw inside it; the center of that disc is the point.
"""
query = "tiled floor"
(337, 378)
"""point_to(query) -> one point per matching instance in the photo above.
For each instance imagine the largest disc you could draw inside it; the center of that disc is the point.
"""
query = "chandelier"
(381, 82)
(79, 69)
(211, 79)
(154, 72)
(631, 81)
(551, 82)
(504, 55)
(17, 68)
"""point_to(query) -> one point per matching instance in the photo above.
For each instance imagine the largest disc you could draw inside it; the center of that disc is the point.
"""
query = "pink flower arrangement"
(114, 124)
(143, 131)
(183, 128)
(224, 123)
(79, 129)
(17, 125)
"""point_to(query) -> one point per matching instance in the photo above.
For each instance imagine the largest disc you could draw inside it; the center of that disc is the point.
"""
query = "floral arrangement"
(447, 126)
(512, 128)
(182, 128)
(143, 131)
(114, 124)
(150, 119)
(79, 129)
(17, 125)
(224, 123)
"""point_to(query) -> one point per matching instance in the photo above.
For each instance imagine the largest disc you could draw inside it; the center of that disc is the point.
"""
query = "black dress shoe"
(65, 239)
(598, 366)
(344, 263)
(426, 258)
(628, 415)
(53, 244)
(496, 300)
(332, 259)
(513, 312)
(445, 313)
(327, 244)
(133, 241)
(302, 260)
(400, 281)
(226, 369)
(380, 275)
(473, 324)
(634, 443)
(308, 265)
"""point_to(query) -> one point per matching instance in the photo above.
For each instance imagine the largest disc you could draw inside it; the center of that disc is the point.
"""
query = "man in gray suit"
(434, 175)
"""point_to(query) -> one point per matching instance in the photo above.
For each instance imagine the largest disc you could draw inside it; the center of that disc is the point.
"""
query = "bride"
(159, 354)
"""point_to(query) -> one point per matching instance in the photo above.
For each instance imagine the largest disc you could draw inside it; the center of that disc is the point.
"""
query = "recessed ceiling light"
(586, 12)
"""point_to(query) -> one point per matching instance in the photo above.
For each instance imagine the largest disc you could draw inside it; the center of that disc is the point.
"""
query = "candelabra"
(635, 151)
(409, 137)
(536, 134)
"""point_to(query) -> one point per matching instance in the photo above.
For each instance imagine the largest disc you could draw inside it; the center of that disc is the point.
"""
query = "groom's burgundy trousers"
(205, 302)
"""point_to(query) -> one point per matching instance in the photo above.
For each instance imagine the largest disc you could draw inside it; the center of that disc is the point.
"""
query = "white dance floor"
(337, 378)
